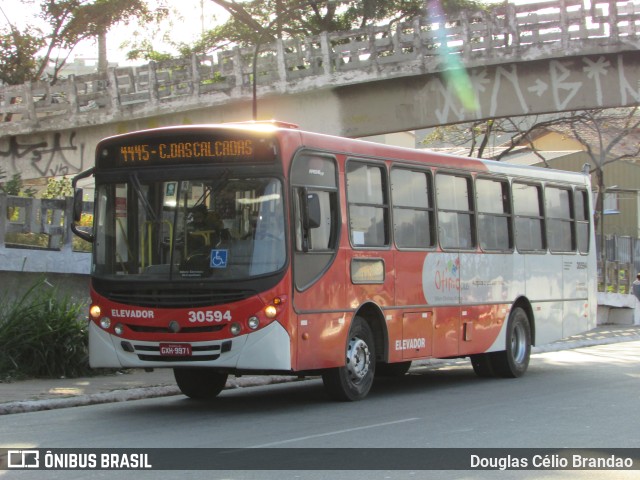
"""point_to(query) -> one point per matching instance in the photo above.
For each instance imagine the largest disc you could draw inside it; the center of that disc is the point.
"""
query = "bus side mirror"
(312, 214)
(77, 205)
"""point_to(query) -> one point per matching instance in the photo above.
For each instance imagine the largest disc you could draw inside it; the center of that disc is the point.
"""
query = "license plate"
(175, 350)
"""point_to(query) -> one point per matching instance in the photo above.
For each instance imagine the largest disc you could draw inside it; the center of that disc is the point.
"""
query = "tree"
(14, 186)
(604, 134)
(69, 22)
(254, 21)
(18, 51)
(476, 138)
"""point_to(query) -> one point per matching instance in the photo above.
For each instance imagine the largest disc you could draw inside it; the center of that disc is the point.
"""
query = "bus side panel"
(543, 276)
(576, 316)
(446, 332)
(441, 288)
(489, 283)
(411, 332)
(322, 340)
(417, 335)
(409, 278)
(480, 325)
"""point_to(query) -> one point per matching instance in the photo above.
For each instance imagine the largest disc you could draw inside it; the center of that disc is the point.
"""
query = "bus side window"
(368, 205)
(455, 211)
(529, 217)
(582, 220)
(412, 197)
(560, 232)
(319, 237)
(494, 214)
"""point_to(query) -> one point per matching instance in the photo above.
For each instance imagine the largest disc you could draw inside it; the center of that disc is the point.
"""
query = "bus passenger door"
(318, 266)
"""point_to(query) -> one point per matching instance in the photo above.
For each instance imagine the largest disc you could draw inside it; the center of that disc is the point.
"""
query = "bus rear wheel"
(482, 365)
(514, 361)
(200, 383)
(353, 381)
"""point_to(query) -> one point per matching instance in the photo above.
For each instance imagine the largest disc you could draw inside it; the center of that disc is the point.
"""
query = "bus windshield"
(217, 229)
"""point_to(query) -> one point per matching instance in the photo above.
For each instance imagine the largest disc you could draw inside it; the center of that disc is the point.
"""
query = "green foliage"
(18, 50)
(42, 335)
(58, 188)
(13, 186)
(69, 22)
(261, 21)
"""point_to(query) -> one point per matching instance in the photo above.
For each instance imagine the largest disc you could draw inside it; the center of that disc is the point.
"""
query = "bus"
(258, 248)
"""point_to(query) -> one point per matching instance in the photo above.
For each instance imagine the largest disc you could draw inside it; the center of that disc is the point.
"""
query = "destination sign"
(187, 148)
(144, 152)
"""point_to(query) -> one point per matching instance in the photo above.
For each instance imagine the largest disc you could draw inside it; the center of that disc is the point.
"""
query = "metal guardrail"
(288, 66)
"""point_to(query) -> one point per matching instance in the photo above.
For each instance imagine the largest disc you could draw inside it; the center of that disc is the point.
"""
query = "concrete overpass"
(516, 60)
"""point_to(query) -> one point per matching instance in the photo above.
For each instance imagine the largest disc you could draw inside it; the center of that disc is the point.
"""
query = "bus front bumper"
(266, 349)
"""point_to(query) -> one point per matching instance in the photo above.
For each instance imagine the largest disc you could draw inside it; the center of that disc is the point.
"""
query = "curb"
(114, 396)
(137, 393)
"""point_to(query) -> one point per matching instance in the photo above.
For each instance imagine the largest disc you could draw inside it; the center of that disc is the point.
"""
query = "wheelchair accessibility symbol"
(219, 258)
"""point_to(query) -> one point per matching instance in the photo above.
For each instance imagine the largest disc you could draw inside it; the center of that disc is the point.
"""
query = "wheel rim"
(519, 344)
(358, 359)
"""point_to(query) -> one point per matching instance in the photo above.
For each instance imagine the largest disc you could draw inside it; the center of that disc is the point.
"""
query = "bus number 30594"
(209, 316)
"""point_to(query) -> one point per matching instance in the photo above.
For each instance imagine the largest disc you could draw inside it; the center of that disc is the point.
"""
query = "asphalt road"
(583, 398)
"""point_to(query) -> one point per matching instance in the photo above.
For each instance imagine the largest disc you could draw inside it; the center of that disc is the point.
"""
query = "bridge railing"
(425, 44)
(39, 224)
(35, 236)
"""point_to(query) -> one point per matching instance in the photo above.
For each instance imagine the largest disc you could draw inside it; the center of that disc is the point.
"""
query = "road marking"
(337, 432)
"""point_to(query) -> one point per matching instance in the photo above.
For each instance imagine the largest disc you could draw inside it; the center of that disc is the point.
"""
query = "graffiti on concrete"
(58, 157)
(557, 84)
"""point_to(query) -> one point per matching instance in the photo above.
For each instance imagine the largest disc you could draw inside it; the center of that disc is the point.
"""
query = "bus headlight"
(254, 323)
(95, 311)
(235, 328)
(105, 322)
(270, 311)
(119, 329)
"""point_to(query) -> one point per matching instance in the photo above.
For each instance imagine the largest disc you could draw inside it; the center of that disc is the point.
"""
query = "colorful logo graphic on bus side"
(441, 278)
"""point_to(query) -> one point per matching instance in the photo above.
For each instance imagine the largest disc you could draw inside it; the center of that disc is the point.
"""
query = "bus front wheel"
(353, 381)
(200, 383)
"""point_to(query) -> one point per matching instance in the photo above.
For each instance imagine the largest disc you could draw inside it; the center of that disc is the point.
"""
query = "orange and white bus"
(263, 249)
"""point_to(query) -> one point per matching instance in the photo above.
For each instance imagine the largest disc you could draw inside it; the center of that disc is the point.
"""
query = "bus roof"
(367, 149)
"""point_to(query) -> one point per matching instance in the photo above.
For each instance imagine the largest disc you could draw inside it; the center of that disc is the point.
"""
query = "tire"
(514, 361)
(482, 365)
(353, 381)
(392, 369)
(200, 383)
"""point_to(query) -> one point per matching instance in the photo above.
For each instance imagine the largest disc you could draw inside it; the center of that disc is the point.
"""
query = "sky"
(188, 28)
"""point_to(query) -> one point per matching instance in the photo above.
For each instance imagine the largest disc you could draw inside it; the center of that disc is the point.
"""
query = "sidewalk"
(46, 394)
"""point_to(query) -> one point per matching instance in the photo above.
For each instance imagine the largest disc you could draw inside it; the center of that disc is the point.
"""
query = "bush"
(42, 334)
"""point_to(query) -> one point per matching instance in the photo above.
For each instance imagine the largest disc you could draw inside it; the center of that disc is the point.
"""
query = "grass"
(42, 334)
